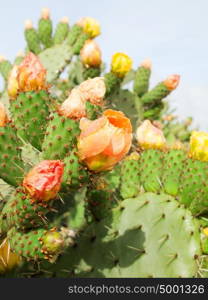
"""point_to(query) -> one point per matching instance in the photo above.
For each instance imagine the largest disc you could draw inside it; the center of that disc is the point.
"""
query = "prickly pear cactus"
(90, 185)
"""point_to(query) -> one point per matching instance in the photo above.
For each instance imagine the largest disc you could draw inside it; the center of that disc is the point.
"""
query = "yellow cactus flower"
(8, 259)
(199, 145)
(90, 26)
(150, 137)
(121, 64)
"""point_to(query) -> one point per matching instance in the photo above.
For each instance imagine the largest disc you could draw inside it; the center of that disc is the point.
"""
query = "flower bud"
(199, 145)
(90, 26)
(3, 116)
(147, 64)
(45, 13)
(121, 64)
(43, 182)
(91, 54)
(172, 82)
(13, 86)
(28, 24)
(149, 136)
(105, 141)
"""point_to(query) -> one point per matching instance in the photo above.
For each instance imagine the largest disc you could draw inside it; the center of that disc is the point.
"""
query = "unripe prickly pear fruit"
(91, 54)
(43, 182)
(8, 259)
(62, 30)
(105, 141)
(32, 38)
(90, 26)
(121, 64)
(150, 137)
(199, 145)
(45, 28)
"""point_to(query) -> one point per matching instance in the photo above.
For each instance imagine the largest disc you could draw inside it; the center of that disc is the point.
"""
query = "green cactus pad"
(62, 30)
(141, 81)
(159, 92)
(73, 34)
(32, 39)
(55, 59)
(173, 165)
(11, 164)
(60, 137)
(151, 165)
(30, 112)
(36, 245)
(91, 72)
(130, 178)
(194, 186)
(147, 236)
(23, 212)
(45, 29)
(75, 174)
(5, 68)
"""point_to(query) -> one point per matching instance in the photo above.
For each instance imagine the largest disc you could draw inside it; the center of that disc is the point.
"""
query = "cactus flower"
(45, 13)
(147, 64)
(91, 54)
(121, 64)
(199, 145)
(172, 82)
(3, 116)
(90, 26)
(44, 180)
(8, 259)
(30, 75)
(92, 90)
(149, 136)
(105, 141)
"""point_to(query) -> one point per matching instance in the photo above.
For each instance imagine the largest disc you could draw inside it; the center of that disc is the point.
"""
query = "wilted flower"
(105, 141)
(121, 64)
(90, 26)
(149, 136)
(30, 75)
(92, 90)
(8, 259)
(44, 180)
(91, 54)
(199, 145)
(172, 82)
(3, 116)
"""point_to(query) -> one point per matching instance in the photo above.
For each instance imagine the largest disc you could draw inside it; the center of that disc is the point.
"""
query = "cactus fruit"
(92, 170)
(45, 28)
(61, 32)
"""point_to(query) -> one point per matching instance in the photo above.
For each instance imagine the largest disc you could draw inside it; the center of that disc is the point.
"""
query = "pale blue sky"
(172, 33)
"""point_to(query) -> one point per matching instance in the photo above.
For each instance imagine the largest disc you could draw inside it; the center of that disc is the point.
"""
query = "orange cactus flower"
(105, 141)
(30, 75)
(3, 116)
(92, 90)
(43, 182)
(91, 54)
(172, 82)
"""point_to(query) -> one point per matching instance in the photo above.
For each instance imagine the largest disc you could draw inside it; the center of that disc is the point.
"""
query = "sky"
(173, 34)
